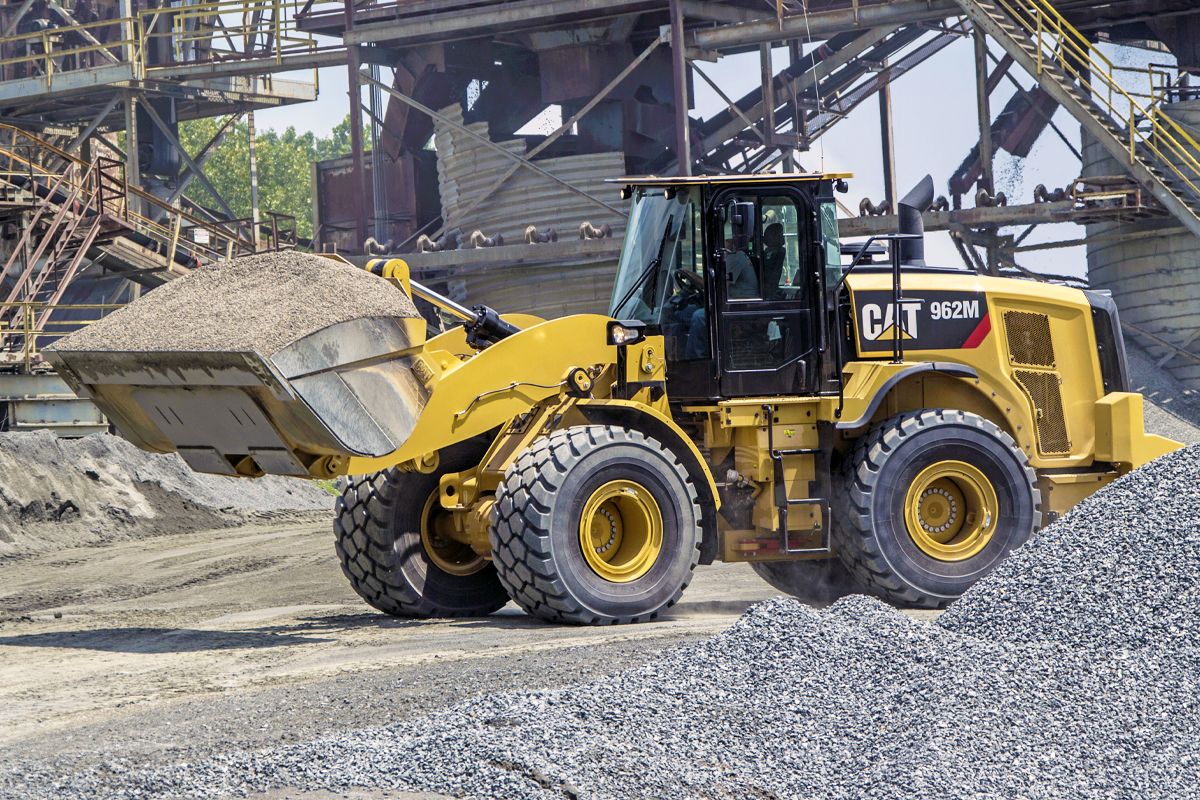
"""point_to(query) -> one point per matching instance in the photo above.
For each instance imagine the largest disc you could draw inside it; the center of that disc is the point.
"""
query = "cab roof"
(760, 177)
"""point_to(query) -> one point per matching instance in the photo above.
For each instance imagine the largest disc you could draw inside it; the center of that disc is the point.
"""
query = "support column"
(683, 136)
(985, 111)
(983, 103)
(362, 197)
(888, 142)
(133, 166)
(378, 189)
(125, 12)
(252, 146)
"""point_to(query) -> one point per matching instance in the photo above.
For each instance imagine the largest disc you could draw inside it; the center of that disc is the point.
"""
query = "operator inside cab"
(736, 313)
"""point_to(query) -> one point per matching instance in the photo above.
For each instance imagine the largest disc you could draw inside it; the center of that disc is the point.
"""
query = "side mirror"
(741, 217)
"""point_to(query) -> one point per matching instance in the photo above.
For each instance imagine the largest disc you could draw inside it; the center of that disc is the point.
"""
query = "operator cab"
(734, 272)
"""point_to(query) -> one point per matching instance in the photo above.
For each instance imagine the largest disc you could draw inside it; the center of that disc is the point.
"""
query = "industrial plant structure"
(93, 175)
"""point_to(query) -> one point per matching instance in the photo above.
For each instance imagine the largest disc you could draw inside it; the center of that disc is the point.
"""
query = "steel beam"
(20, 15)
(679, 78)
(820, 25)
(75, 144)
(252, 148)
(486, 142)
(804, 81)
(1060, 211)
(187, 159)
(984, 109)
(206, 152)
(470, 23)
(287, 62)
(359, 171)
(750, 124)
(133, 165)
(887, 144)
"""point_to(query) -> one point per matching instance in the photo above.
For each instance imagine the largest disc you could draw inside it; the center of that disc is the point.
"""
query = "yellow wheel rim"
(951, 511)
(446, 553)
(621, 531)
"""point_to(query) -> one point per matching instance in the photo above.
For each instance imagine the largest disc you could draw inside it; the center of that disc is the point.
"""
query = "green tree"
(284, 167)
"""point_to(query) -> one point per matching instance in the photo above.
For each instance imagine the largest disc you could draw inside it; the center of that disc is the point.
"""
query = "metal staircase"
(1131, 125)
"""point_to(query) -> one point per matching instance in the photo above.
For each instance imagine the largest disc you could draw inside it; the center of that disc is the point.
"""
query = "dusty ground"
(177, 646)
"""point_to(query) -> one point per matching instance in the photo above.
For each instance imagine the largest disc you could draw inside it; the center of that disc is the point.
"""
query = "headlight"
(626, 332)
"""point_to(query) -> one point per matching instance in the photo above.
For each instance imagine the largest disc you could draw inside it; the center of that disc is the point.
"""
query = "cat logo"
(878, 322)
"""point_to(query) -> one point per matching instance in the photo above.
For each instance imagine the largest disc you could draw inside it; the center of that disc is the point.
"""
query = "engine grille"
(1029, 338)
(1044, 391)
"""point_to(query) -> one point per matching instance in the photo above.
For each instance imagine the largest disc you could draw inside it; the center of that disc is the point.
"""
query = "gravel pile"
(68, 492)
(856, 701)
(1120, 570)
(260, 303)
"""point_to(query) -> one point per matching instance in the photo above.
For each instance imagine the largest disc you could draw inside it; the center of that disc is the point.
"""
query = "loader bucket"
(345, 390)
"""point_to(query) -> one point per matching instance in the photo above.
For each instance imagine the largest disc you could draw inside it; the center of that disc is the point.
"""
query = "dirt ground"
(174, 647)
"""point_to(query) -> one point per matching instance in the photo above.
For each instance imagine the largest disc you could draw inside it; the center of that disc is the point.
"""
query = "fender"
(942, 367)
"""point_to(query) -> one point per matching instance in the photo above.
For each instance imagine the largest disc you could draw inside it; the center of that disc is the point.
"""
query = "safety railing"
(161, 39)
(275, 231)
(27, 326)
(208, 31)
(1061, 47)
(54, 49)
(172, 232)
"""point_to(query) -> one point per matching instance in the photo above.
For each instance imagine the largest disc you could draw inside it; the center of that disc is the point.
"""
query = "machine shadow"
(159, 640)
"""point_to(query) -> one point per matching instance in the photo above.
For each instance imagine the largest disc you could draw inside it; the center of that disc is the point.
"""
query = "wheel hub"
(621, 531)
(447, 553)
(951, 511)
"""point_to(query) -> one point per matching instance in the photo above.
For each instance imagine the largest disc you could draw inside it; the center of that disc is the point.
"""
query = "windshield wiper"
(650, 268)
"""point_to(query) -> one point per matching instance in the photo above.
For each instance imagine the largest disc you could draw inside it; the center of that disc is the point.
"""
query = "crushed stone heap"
(1016, 692)
(59, 493)
(260, 303)
(1121, 570)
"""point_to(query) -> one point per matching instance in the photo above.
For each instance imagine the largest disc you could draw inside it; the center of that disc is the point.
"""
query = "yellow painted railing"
(29, 323)
(1148, 128)
(47, 53)
(165, 38)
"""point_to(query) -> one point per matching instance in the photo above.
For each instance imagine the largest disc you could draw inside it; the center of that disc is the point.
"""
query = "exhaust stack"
(909, 211)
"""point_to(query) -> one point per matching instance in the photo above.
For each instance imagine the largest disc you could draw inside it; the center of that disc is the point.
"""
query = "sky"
(934, 119)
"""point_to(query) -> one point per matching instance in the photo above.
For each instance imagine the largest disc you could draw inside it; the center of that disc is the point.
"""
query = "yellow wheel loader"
(844, 418)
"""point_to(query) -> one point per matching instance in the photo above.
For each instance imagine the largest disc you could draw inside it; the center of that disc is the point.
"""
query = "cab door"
(766, 292)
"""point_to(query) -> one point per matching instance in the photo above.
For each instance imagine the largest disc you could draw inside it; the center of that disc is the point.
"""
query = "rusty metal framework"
(591, 58)
(93, 173)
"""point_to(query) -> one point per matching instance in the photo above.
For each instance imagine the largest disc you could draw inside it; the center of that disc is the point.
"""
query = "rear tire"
(810, 580)
(379, 543)
(596, 525)
(932, 501)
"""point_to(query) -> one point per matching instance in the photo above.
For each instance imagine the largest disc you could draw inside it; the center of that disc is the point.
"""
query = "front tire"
(933, 500)
(596, 524)
(387, 541)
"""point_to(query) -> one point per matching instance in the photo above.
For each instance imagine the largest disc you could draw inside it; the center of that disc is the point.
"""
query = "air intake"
(1029, 340)
(1046, 396)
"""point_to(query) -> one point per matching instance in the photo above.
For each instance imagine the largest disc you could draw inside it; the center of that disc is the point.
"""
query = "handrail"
(1061, 46)
(222, 236)
(209, 32)
(31, 322)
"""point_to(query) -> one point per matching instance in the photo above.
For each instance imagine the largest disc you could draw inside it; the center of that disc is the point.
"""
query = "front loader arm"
(470, 395)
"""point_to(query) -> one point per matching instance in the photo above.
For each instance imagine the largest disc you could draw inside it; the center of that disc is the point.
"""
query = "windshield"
(650, 253)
